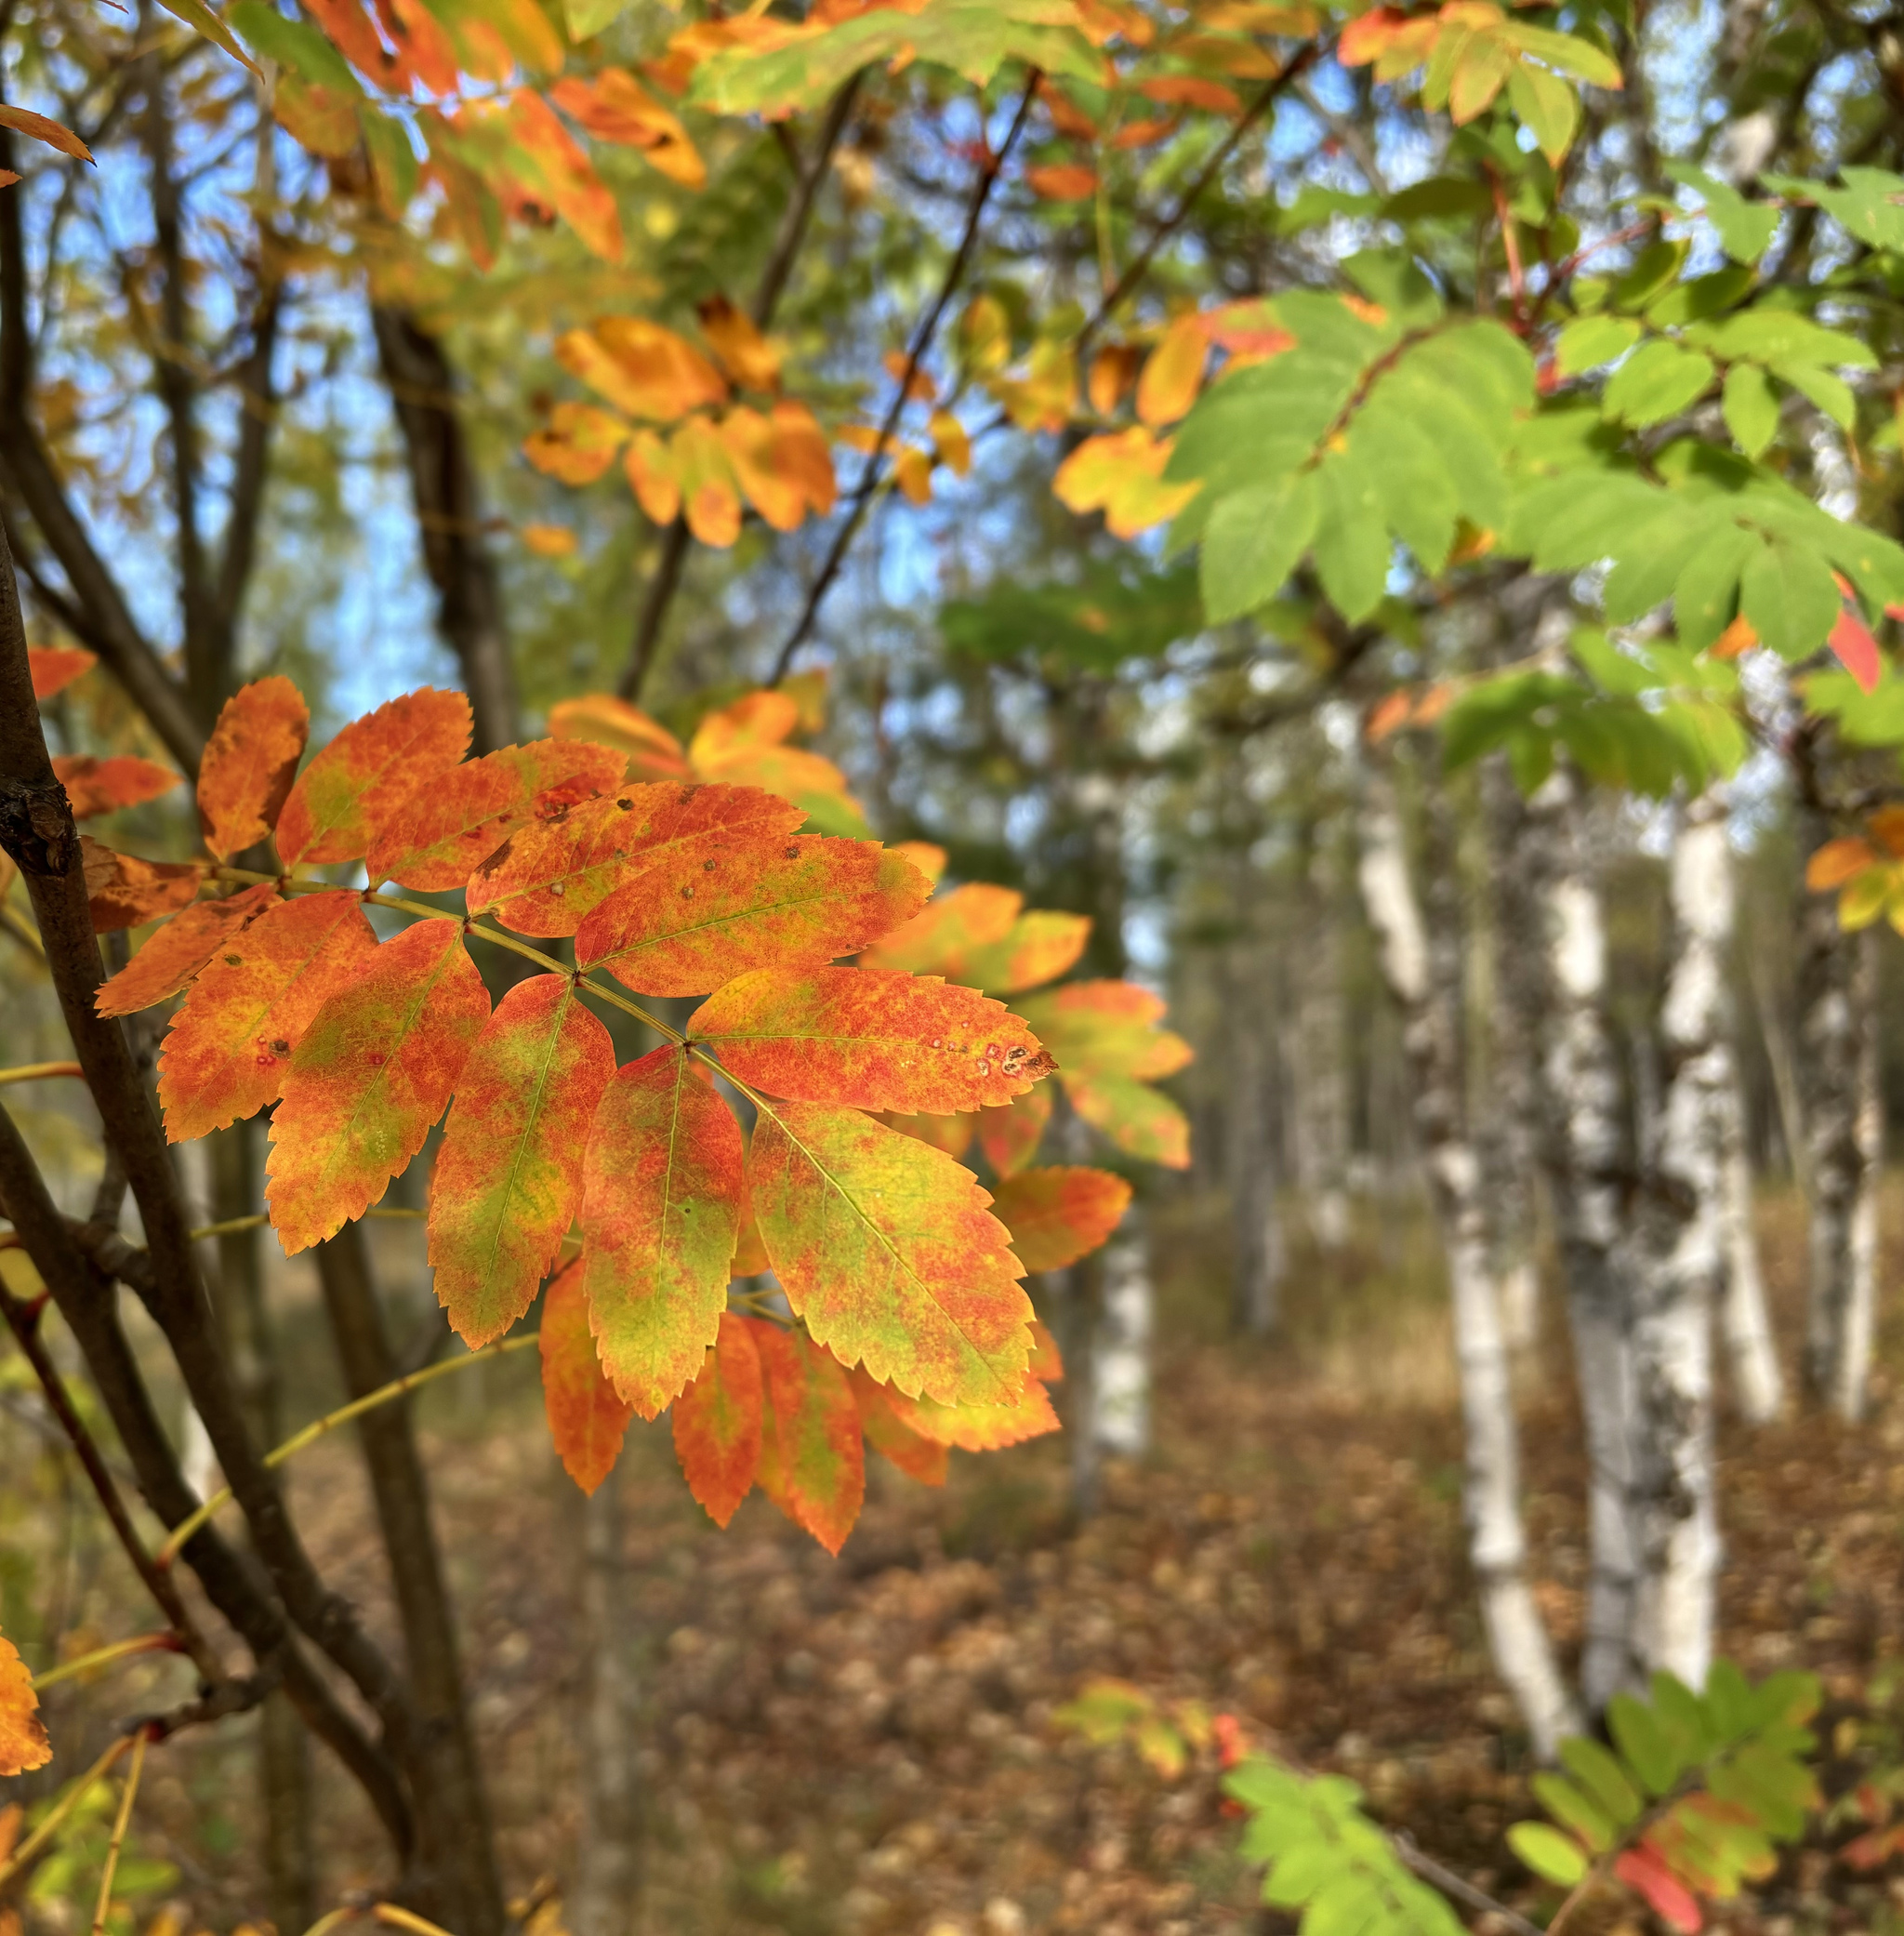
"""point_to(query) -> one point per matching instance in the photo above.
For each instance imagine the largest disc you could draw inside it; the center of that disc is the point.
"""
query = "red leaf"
(1058, 1216)
(547, 877)
(1062, 181)
(948, 930)
(661, 1206)
(813, 1459)
(177, 951)
(55, 667)
(1856, 649)
(585, 1420)
(103, 786)
(369, 1078)
(225, 1055)
(869, 1038)
(369, 773)
(653, 752)
(742, 900)
(507, 1179)
(123, 891)
(918, 1458)
(716, 1422)
(1675, 1905)
(248, 765)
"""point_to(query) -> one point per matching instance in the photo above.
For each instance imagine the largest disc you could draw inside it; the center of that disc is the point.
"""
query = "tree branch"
(871, 471)
(257, 413)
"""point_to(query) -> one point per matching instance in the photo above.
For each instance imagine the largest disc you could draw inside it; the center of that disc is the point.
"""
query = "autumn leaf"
(369, 1078)
(709, 490)
(550, 875)
(1141, 1121)
(1122, 474)
(1174, 372)
(661, 1206)
(123, 891)
(564, 178)
(1037, 948)
(614, 107)
(1058, 1216)
(749, 359)
(872, 1038)
(643, 368)
(507, 1180)
(813, 1457)
(586, 1419)
(368, 772)
(177, 951)
(104, 785)
(944, 935)
(1011, 1133)
(929, 858)
(54, 668)
(978, 1428)
(917, 1457)
(1062, 181)
(1838, 861)
(1191, 91)
(652, 751)
(23, 121)
(23, 1743)
(578, 444)
(226, 1052)
(1104, 1028)
(951, 1134)
(649, 468)
(886, 1248)
(739, 901)
(1856, 650)
(438, 837)
(249, 762)
(718, 1421)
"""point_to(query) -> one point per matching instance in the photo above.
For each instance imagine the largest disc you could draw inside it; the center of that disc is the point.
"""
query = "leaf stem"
(162, 1641)
(41, 1072)
(139, 1743)
(56, 1819)
(310, 1434)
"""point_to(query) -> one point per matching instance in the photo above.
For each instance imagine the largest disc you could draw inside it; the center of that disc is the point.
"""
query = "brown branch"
(922, 337)
(257, 415)
(809, 175)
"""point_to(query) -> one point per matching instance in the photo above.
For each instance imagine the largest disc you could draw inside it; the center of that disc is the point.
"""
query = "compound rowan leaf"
(438, 837)
(944, 935)
(54, 668)
(718, 1420)
(1058, 1216)
(176, 952)
(1037, 948)
(586, 1419)
(122, 891)
(103, 786)
(550, 875)
(652, 751)
(249, 763)
(886, 1248)
(369, 772)
(738, 901)
(918, 1458)
(813, 1457)
(978, 1428)
(662, 1196)
(874, 1038)
(507, 1179)
(226, 1052)
(1010, 1133)
(369, 1078)
(23, 1743)
(1141, 1121)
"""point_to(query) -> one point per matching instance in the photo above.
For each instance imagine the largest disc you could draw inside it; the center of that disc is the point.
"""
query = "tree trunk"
(1751, 1354)
(1837, 1033)
(1318, 1065)
(1680, 1262)
(1420, 964)
(1590, 1172)
(455, 1873)
(1121, 1342)
(608, 1860)
(1257, 1283)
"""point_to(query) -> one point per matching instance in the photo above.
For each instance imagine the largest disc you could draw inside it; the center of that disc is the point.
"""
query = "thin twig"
(922, 338)
(40, 1071)
(56, 1819)
(164, 1641)
(119, 1824)
(1459, 1887)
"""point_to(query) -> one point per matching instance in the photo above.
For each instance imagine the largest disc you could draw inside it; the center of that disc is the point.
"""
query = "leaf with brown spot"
(124, 891)
(104, 785)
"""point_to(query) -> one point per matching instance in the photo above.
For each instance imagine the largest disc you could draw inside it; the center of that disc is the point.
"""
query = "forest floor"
(869, 1745)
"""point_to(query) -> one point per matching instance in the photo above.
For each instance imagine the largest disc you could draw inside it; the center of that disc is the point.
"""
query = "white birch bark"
(1120, 1344)
(1680, 1264)
(1317, 1050)
(1423, 973)
(1589, 1172)
(1837, 1032)
(1752, 1351)
(606, 1897)
(1256, 1292)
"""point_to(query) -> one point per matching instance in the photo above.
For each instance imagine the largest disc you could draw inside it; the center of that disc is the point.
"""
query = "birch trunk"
(1837, 1030)
(1589, 1171)
(1421, 965)
(1680, 1262)
(1256, 1291)
(1120, 1344)
(1318, 1052)
(608, 1861)
(1751, 1354)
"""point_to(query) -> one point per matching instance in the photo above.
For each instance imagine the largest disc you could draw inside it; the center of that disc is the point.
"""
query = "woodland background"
(250, 423)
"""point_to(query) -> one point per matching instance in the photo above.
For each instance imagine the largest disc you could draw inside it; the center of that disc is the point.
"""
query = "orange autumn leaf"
(1122, 474)
(917, 1457)
(104, 785)
(1191, 91)
(249, 762)
(926, 855)
(716, 1422)
(123, 891)
(1837, 862)
(54, 668)
(650, 471)
(1173, 373)
(369, 1078)
(1887, 824)
(870, 1037)
(577, 445)
(1062, 181)
(507, 1179)
(709, 492)
(977, 1427)
(1010, 1133)
(587, 1421)
(942, 937)
(369, 772)
(749, 359)
(178, 951)
(1112, 371)
(23, 121)
(23, 1742)
(566, 178)
(661, 1205)
(1145, 134)
(1058, 1216)
(1140, 1120)
(1037, 947)
(813, 1456)
(652, 751)
(643, 368)
(224, 1055)
(614, 107)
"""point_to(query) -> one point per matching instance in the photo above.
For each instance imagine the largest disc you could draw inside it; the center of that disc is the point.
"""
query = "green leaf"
(1553, 1857)
(1657, 380)
(1602, 1776)
(1486, 714)
(1589, 341)
(202, 19)
(587, 18)
(1698, 297)
(1752, 407)
(1707, 594)
(1777, 336)
(1546, 107)
(1353, 552)
(1574, 1811)
(1789, 598)
(1653, 268)
(1252, 543)
(1567, 53)
(1829, 393)
(293, 43)
(1745, 229)
(1644, 1741)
